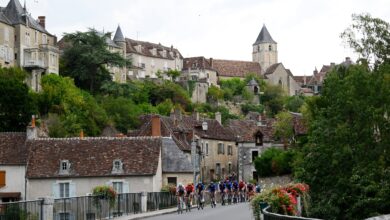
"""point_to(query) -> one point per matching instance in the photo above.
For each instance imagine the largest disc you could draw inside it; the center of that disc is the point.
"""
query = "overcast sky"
(307, 31)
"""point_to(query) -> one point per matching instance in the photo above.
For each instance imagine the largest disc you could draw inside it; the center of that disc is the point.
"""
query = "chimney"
(156, 126)
(211, 62)
(304, 79)
(32, 131)
(205, 126)
(81, 134)
(332, 64)
(42, 21)
(218, 117)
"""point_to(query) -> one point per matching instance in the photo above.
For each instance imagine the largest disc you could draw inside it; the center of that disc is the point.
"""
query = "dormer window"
(259, 138)
(64, 167)
(117, 166)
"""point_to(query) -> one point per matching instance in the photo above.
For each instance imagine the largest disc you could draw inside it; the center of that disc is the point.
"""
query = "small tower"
(265, 50)
(254, 88)
(119, 39)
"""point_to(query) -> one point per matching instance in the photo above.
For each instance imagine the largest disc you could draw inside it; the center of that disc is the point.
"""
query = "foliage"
(17, 104)
(283, 200)
(294, 103)
(346, 160)
(173, 73)
(15, 212)
(273, 99)
(369, 37)
(85, 58)
(191, 87)
(284, 127)
(232, 87)
(247, 107)
(273, 162)
(77, 110)
(122, 112)
(104, 193)
(214, 94)
(165, 108)
(209, 111)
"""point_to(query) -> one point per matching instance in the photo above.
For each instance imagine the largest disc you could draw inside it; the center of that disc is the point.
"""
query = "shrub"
(274, 162)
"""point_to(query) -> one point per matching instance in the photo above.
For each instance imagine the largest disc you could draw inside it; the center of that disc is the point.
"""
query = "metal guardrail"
(26, 210)
(273, 216)
(160, 200)
(91, 207)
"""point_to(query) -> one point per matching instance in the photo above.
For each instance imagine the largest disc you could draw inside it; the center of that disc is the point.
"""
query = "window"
(64, 190)
(117, 166)
(2, 178)
(172, 181)
(230, 150)
(221, 148)
(203, 148)
(6, 34)
(270, 47)
(64, 167)
(207, 149)
(36, 37)
(118, 187)
(230, 168)
(259, 138)
(44, 39)
(218, 169)
(255, 154)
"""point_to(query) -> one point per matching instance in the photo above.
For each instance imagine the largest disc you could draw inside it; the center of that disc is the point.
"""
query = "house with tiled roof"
(228, 69)
(68, 167)
(254, 136)
(151, 60)
(13, 157)
(26, 43)
(198, 69)
(277, 74)
(194, 135)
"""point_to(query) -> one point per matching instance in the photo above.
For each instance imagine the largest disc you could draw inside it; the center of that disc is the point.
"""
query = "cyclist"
(222, 192)
(180, 191)
(235, 191)
(251, 193)
(199, 193)
(229, 186)
(242, 189)
(188, 197)
(212, 189)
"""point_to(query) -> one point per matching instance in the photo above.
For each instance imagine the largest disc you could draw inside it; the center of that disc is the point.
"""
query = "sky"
(307, 31)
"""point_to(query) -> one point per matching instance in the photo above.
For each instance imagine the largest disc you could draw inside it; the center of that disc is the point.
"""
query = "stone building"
(253, 138)
(277, 74)
(26, 43)
(118, 45)
(227, 69)
(265, 50)
(152, 60)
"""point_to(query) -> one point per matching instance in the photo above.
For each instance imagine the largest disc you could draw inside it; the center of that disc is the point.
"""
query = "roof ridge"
(236, 61)
(97, 138)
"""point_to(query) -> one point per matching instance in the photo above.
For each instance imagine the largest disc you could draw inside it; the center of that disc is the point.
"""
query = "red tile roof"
(93, 157)
(146, 48)
(234, 68)
(12, 148)
(246, 129)
(196, 63)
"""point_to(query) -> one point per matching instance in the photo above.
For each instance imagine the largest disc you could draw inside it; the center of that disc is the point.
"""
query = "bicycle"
(180, 205)
(187, 201)
(212, 200)
(199, 202)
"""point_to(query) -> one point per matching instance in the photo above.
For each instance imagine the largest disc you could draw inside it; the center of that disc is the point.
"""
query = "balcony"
(34, 64)
(47, 48)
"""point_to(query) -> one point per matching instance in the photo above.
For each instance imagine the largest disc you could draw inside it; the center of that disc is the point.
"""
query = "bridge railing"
(274, 216)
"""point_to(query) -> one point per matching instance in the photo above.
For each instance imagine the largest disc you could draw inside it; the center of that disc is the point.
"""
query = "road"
(231, 212)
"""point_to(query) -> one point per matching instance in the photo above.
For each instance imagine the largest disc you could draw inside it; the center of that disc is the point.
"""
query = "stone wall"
(270, 182)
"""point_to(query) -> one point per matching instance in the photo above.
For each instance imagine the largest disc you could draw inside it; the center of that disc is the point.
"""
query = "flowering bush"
(283, 200)
(104, 193)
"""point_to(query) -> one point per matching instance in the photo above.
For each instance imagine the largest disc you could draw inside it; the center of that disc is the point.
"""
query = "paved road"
(233, 212)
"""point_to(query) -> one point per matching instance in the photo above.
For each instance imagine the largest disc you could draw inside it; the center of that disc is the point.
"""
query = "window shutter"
(72, 216)
(56, 190)
(72, 190)
(223, 148)
(126, 187)
(2, 178)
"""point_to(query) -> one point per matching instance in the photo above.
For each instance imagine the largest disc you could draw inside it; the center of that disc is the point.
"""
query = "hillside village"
(155, 118)
(220, 149)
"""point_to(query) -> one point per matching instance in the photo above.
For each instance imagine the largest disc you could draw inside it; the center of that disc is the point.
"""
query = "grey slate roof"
(119, 35)
(16, 14)
(264, 37)
(174, 160)
(252, 83)
(4, 18)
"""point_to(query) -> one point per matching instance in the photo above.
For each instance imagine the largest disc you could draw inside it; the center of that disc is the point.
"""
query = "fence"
(160, 200)
(273, 216)
(91, 207)
(27, 210)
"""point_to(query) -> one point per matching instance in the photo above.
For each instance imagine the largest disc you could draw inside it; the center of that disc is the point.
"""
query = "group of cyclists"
(229, 191)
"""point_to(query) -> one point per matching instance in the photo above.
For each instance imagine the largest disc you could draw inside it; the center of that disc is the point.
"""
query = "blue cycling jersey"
(212, 188)
(222, 186)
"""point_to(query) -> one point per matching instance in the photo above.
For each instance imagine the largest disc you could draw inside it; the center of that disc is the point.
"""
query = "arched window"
(259, 138)
(270, 47)
(255, 90)
(280, 82)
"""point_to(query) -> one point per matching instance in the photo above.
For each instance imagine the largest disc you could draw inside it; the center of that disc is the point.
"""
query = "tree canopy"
(85, 58)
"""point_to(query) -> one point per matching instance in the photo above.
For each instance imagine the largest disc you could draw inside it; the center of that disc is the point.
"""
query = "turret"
(265, 50)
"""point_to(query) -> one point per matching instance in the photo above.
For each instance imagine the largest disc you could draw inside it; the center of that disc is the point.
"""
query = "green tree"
(273, 99)
(173, 74)
(214, 93)
(284, 127)
(294, 103)
(76, 109)
(85, 58)
(17, 104)
(274, 162)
